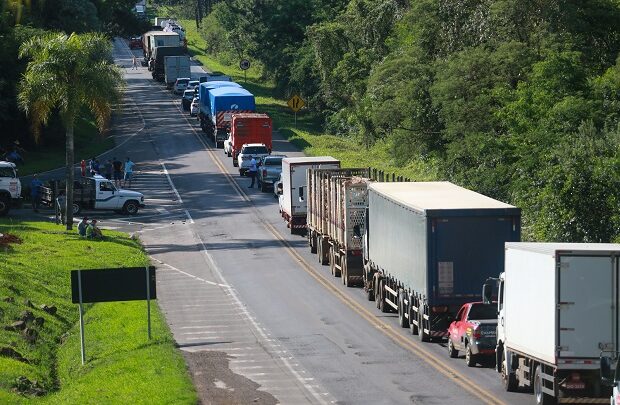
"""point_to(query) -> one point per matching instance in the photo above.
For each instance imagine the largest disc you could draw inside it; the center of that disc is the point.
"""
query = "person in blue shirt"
(252, 171)
(128, 169)
(35, 192)
(82, 225)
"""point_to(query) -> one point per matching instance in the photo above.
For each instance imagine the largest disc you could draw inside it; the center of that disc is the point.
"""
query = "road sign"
(244, 64)
(107, 285)
(296, 103)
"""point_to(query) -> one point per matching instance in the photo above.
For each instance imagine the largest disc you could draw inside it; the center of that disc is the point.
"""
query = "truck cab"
(10, 187)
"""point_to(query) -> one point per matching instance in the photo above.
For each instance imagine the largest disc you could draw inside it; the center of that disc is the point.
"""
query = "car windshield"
(6, 172)
(480, 312)
(188, 94)
(183, 81)
(194, 83)
(273, 162)
(254, 150)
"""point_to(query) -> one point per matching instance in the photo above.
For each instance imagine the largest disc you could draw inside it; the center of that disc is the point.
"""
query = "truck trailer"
(249, 128)
(558, 312)
(154, 39)
(176, 67)
(293, 202)
(224, 101)
(337, 200)
(158, 59)
(429, 246)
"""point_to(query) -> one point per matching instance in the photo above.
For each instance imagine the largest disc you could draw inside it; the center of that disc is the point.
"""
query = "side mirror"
(487, 293)
(301, 193)
(279, 192)
(607, 374)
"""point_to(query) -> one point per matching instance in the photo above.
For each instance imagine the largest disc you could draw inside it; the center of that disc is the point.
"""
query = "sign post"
(107, 285)
(244, 65)
(296, 103)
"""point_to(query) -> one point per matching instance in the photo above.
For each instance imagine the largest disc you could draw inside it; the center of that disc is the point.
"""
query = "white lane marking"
(191, 220)
(174, 189)
(190, 275)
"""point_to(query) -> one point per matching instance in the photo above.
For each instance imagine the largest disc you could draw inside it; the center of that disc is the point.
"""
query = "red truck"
(249, 128)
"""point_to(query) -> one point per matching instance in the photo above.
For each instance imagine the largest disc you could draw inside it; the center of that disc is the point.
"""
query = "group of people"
(89, 230)
(12, 153)
(112, 169)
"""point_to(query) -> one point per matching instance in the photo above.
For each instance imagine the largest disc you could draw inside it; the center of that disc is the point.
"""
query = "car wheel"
(5, 205)
(131, 207)
(263, 187)
(470, 358)
(452, 351)
(235, 163)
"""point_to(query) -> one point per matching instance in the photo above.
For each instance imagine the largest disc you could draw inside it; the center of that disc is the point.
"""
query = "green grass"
(88, 143)
(122, 365)
(307, 134)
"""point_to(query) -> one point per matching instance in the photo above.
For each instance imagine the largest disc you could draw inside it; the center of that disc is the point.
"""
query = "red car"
(135, 43)
(474, 332)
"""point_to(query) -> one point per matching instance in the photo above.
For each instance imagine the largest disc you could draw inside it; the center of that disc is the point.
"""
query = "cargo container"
(154, 39)
(176, 67)
(224, 101)
(429, 246)
(293, 202)
(249, 128)
(158, 59)
(337, 200)
(558, 311)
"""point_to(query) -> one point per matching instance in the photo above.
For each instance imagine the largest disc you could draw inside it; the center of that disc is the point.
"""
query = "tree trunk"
(70, 178)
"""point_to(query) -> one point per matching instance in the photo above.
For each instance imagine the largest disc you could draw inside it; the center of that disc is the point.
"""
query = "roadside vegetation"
(40, 359)
(518, 100)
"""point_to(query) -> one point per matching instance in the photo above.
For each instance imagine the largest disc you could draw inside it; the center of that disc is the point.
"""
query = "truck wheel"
(377, 286)
(413, 327)
(383, 307)
(402, 319)
(452, 351)
(131, 207)
(508, 377)
(5, 205)
(470, 358)
(421, 334)
(76, 208)
(312, 242)
(540, 397)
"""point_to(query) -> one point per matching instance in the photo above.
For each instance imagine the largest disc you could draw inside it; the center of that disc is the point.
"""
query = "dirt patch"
(217, 384)
(7, 239)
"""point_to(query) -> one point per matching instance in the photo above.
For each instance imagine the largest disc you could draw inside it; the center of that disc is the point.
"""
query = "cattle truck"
(558, 312)
(337, 200)
(249, 128)
(223, 103)
(429, 246)
(176, 67)
(293, 202)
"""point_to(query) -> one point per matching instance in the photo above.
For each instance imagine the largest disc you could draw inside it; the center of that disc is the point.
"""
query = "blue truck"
(428, 246)
(217, 104)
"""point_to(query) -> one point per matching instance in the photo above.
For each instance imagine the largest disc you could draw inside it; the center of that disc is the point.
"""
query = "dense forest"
(20, 20)
(516, 99)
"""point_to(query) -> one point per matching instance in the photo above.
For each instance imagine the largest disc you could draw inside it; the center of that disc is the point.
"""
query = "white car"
(180, 85)
(194, 108)
(228, 146)
(249, 151)
(10, 187)
(192, 84)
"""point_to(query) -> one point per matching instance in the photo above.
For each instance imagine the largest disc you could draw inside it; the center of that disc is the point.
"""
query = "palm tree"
(67, 73)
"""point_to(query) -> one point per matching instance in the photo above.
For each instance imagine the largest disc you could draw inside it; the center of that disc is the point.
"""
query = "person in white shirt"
(252, 171)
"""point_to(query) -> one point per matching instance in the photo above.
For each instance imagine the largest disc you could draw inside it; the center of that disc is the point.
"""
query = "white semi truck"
(557, 314)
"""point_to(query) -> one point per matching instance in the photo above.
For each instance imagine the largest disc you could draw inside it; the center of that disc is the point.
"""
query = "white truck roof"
(551, 248)
(435, 195)
(305, 159)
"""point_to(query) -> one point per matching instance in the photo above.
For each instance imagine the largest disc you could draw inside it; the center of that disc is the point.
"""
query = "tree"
(66, 74)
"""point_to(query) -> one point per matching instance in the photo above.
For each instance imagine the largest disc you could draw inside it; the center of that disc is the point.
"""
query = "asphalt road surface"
(258, 319)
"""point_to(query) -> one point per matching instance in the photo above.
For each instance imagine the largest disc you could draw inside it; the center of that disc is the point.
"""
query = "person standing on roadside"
(107, 169)
(91, 167)
(252, 171)
(83, 168)
(117, 167)
(35, 191)
(128, 169)
(135, 63)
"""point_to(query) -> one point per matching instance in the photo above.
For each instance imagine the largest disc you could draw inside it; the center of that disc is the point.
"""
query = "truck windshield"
(254, 150)
(6, 172)
(480, 312)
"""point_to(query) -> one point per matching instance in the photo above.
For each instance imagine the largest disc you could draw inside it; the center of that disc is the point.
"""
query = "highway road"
(257, 317)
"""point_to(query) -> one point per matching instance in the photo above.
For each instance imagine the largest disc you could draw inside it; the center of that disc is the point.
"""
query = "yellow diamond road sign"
(296, 103)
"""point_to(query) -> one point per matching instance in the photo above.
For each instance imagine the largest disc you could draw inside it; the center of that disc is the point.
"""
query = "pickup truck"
(474, 332)
(269, 169)
(10, 187)
(249, 151)
(97, 193)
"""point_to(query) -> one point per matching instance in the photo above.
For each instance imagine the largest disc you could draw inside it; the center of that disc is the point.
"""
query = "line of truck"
(423, 250)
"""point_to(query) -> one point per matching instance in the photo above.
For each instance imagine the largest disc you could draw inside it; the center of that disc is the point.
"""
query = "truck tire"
(452, 351)
(421, 334)
(470, 358)
(76, 208)
(5, 205)
(402, 319)
(539, 396)
(508, 377)
(131, 207)
(312, 242)
(383, 307)
(413, 327)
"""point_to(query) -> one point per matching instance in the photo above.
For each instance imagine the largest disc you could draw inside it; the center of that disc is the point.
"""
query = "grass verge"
(122, 365)
(307, 133)
(88, 143)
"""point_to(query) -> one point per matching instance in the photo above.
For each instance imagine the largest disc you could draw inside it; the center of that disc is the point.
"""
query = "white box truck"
(176, 67)
(294, 205)
(558, 312)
